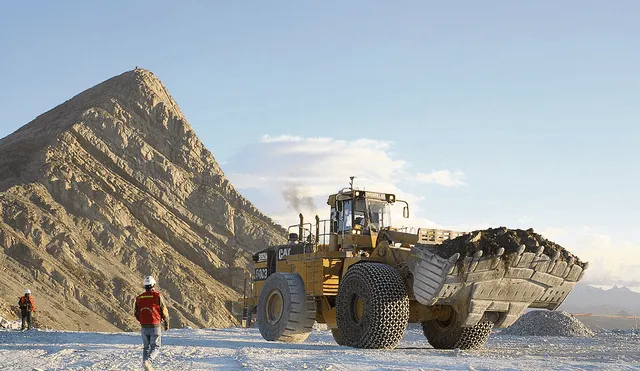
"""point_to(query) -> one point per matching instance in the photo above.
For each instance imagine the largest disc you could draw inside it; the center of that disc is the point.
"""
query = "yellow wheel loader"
(367, 280)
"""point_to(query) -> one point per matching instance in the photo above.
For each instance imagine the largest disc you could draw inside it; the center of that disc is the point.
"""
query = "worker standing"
(150, 311)
(27, 307)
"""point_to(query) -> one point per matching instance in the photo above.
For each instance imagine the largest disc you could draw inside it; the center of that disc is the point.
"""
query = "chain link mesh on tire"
(298, 312)
(476, 336)
(385, 311)
(456, 336)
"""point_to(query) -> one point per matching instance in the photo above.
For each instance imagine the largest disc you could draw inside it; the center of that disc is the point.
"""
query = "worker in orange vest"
(151, 312)
(27, 307)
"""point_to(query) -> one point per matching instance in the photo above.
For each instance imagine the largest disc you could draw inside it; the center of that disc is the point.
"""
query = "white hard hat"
(27, 291)
(149, 281)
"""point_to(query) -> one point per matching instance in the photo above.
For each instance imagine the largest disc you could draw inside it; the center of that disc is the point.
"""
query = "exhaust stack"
(301, 228)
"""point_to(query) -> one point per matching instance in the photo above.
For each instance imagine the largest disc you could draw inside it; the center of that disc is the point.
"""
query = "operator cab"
(358, 216)
(363, 211)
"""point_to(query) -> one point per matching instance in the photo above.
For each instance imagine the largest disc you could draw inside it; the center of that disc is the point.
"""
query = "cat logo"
(284, 252)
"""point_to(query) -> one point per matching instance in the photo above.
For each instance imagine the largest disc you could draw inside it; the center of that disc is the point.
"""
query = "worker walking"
(151, 311)
(27, 307)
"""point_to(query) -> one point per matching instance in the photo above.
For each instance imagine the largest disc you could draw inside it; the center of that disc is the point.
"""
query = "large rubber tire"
(337, 336)
(449, 333)
(372, 306)
(284, 313)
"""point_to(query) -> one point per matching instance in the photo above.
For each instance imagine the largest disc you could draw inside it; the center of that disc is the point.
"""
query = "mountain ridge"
(585, 298)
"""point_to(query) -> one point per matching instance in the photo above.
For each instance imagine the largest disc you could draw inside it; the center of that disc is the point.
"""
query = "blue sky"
(534, 107)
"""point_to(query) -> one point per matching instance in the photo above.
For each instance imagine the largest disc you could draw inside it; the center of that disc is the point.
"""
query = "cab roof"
(349, 194)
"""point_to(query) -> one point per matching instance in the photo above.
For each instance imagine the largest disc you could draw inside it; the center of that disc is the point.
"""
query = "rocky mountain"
(113, 185)
(614, 301)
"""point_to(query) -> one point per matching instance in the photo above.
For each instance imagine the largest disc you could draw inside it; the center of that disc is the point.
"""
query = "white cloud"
(610, 261)
(282, 138)
(319, 164)
(322, 163)
(445, 178)
(295, 174)
(553, 233)
(525, 220)
(587, 229)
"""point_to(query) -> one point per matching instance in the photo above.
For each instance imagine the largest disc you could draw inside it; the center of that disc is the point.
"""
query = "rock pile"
(320, 327)
(9, 325)
(512, 240)
(548, 323)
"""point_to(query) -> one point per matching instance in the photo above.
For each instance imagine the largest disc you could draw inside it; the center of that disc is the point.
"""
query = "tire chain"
(388, 305)
(476, 336)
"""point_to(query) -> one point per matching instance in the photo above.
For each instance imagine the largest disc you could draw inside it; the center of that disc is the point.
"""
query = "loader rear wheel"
(447, 332)
(337, 336)
(284, 313)
(372, 306)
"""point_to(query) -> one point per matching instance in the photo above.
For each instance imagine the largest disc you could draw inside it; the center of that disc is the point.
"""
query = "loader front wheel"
(337, 336)
(284, 313)
(447, 332)
(372, 306)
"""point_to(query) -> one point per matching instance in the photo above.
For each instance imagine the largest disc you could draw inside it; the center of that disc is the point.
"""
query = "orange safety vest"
(148, 304)
(27, 305)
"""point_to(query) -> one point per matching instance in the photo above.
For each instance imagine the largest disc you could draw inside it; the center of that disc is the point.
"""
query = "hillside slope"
(113, 185)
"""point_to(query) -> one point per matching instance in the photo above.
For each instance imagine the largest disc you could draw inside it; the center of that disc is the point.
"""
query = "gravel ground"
(244, 349)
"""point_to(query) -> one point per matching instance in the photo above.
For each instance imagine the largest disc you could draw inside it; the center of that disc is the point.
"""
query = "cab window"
(344, 218)
(360, 212)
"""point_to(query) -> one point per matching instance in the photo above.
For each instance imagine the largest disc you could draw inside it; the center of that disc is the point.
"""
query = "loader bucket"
(502, 283)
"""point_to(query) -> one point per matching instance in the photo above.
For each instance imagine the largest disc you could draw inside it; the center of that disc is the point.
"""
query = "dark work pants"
(26, 319)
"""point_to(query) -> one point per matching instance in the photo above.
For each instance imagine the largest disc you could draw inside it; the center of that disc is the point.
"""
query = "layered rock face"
(113, 185)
